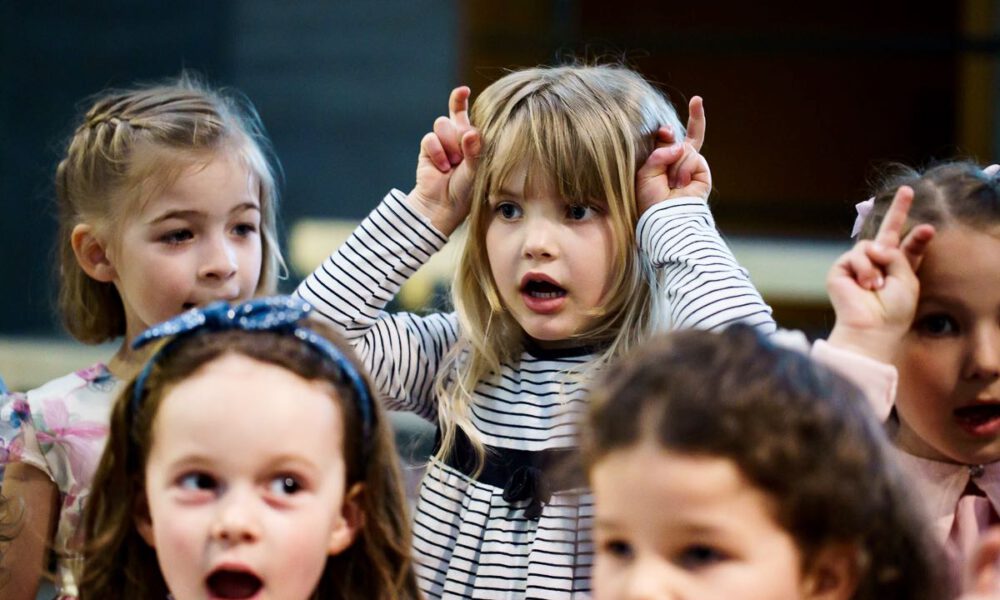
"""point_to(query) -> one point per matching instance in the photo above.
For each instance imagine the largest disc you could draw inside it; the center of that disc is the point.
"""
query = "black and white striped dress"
(469, 540)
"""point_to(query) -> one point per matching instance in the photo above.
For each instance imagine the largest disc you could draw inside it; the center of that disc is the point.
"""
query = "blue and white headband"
(274, 314)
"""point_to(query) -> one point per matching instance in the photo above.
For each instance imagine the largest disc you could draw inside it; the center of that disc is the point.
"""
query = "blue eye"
(578, 212)
(177, 236)
(508, 210)
(697, 556)
(937, 324)
(245, 229)
(285, 485)
(197, 482)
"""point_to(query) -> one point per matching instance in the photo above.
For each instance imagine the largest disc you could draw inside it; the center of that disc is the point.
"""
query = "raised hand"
(446, 166)
(983, 577)
(874, 288)
(676, 169)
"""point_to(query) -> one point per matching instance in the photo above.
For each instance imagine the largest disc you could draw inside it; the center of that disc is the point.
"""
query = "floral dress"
(60, 429)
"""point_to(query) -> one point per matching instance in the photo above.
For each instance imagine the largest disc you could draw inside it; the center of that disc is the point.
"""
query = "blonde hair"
(131, 143)
(587, 129)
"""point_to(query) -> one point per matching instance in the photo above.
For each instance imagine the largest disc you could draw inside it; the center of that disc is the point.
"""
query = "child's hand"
(983, 577)
(675, 170)
(874, 288)
(446, 166)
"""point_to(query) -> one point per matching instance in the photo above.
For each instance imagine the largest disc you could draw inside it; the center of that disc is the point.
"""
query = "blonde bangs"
(585, 130)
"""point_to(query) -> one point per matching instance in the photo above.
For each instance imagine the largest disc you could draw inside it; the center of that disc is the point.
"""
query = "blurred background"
(804, 100)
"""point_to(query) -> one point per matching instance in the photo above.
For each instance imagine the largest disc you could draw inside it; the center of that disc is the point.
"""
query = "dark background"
(804, 100)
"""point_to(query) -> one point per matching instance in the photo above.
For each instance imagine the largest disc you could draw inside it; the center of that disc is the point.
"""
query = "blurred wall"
(804, 100)
(345, 89)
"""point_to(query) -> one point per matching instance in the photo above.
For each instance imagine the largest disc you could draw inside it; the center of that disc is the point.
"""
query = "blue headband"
(277, 314)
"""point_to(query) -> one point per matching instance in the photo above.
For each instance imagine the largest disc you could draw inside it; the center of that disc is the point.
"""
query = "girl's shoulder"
(95, 379)
(89, 390)
(73, 407)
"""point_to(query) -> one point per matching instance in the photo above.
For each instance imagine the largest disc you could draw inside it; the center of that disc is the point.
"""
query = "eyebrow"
(937, 297)
(192, 214)
(606, 524)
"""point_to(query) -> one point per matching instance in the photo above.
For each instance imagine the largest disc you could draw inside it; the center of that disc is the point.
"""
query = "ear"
(91, 253)
(350, 521)
(833, 575)
(143, 521)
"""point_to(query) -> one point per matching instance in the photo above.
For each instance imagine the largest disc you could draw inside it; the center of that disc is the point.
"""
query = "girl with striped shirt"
(573, 256)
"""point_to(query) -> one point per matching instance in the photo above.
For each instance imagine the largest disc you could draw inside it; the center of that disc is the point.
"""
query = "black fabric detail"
(522, 474)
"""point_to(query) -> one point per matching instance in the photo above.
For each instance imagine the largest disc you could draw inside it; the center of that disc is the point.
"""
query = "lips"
(205, 302)
(980, 420)
(233, 584)
(541, 293)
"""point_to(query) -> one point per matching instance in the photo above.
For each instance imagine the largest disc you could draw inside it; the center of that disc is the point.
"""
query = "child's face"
(245, 483)
(685, 527)
(197, 241)
(550, 258)
(949, 391)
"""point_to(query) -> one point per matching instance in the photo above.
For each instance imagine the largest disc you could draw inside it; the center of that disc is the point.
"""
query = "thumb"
(984, 574)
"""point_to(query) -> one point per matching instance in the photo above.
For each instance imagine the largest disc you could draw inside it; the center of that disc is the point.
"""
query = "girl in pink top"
(920, 293)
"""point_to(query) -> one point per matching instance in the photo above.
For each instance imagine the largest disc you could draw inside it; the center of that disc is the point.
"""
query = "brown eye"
(285, 485)
(937, 325)
(198, 482)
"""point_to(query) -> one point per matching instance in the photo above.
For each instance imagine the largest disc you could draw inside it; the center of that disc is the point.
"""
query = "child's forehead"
(243, 393)
(961, 260)
(156, 171)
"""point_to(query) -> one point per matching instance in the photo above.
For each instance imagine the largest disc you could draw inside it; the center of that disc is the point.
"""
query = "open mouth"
(978, 417)
(543, 290)
(225, 583)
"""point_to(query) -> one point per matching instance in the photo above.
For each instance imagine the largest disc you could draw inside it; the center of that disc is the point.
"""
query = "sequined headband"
(274, 314)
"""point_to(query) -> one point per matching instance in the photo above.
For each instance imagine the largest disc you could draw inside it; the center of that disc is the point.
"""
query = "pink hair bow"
(864, 208)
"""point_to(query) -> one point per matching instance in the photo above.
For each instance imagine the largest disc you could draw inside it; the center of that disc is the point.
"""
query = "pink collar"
(941, 485)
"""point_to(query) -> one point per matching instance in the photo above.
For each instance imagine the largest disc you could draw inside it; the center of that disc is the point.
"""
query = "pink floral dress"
(61, 428)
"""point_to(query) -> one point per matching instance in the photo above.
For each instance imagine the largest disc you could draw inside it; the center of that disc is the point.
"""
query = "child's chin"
(980, 455)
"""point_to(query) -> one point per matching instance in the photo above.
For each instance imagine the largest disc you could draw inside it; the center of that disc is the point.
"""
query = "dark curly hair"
(796, 431)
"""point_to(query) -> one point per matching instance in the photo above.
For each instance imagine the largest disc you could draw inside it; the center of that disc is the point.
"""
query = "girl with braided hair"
(167, 201)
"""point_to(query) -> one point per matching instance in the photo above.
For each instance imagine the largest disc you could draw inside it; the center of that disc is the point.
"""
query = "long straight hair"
(586, 129)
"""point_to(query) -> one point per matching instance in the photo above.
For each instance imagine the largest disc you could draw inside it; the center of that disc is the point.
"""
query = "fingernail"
(879, 282)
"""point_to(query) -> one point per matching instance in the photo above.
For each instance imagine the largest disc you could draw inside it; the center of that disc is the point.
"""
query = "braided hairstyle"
(135, 142)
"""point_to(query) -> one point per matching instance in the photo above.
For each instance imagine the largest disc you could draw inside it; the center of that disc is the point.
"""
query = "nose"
(235, 521)
(218, 260)
(540, 239)
(984, 354)
(653, 579)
